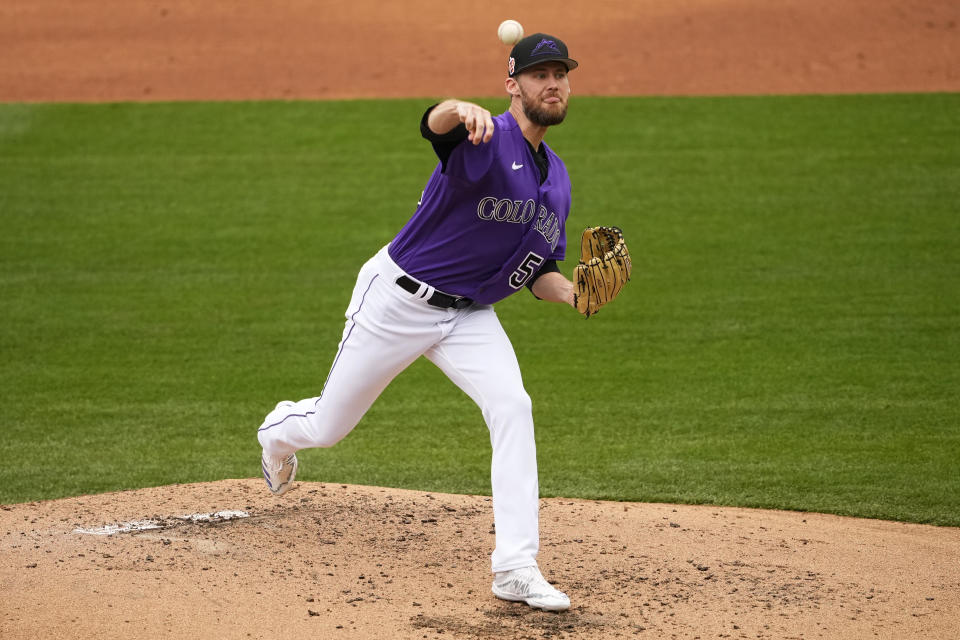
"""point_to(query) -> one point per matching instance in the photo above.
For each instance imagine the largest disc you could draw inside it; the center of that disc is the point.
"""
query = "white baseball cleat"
(529, 586)
(279, 472)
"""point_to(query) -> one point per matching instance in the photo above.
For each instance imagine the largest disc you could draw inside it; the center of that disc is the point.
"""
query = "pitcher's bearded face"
(544, 91)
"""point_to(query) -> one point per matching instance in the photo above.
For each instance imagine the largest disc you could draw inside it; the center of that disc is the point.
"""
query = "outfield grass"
(791, 338)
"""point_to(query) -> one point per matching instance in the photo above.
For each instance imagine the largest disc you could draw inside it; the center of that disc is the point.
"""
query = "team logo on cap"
(546, 47)
(511, 66)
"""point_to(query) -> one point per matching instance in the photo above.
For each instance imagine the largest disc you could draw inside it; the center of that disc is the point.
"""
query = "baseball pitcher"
(490, 222)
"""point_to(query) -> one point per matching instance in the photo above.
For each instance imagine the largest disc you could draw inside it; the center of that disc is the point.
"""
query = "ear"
(512, 87)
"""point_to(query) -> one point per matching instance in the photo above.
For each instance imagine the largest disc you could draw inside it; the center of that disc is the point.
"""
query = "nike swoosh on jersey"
(517, 166)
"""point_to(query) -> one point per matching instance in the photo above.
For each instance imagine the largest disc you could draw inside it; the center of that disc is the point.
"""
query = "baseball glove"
(603, 269)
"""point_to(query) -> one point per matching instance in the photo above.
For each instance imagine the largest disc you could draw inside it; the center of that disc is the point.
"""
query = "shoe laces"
(537, 579)
(275, 463)
(531, 577)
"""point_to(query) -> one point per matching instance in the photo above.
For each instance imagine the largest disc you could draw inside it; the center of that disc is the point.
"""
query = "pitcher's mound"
(228, 560)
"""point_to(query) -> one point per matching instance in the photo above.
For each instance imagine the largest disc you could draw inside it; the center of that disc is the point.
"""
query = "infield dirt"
(337, 561)
(104, 50)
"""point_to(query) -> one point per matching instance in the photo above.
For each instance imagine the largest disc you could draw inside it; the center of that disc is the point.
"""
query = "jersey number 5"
(528, 267)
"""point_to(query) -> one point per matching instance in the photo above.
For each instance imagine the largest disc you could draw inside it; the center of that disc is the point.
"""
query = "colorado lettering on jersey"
(520, 212)
(506, 210)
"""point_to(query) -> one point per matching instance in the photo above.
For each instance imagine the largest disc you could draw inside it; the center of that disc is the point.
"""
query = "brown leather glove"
(603, 269)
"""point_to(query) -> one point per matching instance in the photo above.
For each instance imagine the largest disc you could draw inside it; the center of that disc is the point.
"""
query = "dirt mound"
(228, 560)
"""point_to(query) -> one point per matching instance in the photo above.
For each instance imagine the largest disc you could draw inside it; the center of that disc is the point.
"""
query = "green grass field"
(791, 338)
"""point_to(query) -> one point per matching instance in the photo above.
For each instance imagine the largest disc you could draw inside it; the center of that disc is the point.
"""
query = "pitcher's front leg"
(478, 357)
(382, 336)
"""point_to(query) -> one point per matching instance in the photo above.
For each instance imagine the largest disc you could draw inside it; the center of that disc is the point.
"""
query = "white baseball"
(510, 32)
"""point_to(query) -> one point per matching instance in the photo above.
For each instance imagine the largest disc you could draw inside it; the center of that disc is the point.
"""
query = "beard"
(541, 115)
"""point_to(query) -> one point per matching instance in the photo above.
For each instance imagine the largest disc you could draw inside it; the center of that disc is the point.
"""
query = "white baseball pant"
(388, 328)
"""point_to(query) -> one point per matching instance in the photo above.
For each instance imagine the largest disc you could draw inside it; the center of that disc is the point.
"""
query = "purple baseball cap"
(537, 48)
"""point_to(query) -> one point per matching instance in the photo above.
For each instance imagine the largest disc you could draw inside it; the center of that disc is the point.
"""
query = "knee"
(511, 406)
(521, 403)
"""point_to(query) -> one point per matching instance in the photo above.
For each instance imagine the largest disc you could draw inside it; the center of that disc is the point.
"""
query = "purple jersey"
(485, 224)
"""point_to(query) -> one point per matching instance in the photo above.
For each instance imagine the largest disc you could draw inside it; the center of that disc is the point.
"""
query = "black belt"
(438, 299)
